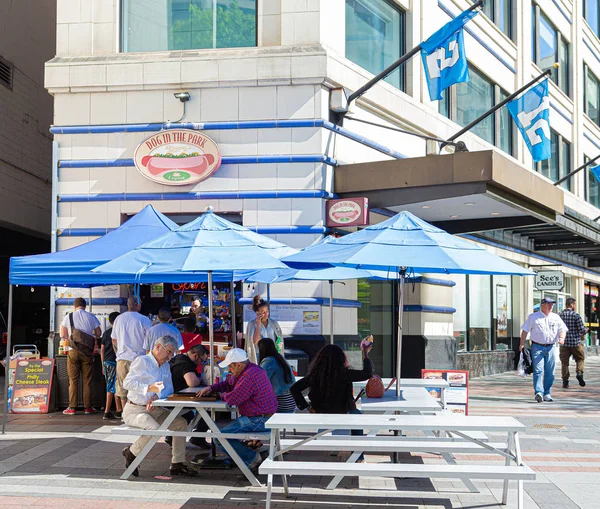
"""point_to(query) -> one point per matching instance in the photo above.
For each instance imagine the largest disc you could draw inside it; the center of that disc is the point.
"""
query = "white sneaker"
(547, 397)
(538, 397)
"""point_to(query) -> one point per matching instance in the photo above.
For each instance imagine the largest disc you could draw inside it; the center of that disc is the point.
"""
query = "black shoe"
(565, 383)
(580, 379)
(129, 458)
(169, 441)
(118, 415)
(200, 442)
(182, 469)
(109, 416)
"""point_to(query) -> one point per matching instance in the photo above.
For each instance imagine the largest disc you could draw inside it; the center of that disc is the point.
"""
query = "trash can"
(298, 359)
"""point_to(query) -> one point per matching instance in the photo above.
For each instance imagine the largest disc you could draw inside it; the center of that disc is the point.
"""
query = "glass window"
(502, 295)
(163, 25)
(591, 12)
(459, 295)
(480, 313)
(375, 37)
(550, 47)
(592, 186)
(559, 163)
(499, 11)
(592, 96)
(464, 102)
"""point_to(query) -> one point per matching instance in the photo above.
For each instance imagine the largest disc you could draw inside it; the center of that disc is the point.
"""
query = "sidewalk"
(68, 461)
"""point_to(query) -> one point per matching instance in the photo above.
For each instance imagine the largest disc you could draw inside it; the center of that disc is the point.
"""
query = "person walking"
(80, 358)
(163, 328)
(545, 329)
(129, 341)
(573, 343)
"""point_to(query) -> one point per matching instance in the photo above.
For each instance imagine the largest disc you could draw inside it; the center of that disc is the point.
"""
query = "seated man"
(251, 391)
(149, 378)
(184, 374)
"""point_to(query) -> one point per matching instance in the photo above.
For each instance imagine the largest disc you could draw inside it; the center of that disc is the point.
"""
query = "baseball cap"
(234, 355)
(548, 300)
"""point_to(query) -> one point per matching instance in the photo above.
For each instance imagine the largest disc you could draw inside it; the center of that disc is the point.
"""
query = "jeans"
(544, 360)
(244, 425)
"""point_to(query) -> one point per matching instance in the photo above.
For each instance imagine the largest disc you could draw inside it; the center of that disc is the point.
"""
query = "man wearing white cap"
(545, 329)
(252, 393)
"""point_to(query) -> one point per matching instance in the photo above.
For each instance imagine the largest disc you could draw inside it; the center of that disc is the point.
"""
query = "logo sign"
(348, 212)
(177, 157)
(549, 280)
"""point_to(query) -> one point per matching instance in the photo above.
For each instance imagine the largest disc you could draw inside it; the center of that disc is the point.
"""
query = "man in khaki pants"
(573, 343)
(80, 360)
(149, 378)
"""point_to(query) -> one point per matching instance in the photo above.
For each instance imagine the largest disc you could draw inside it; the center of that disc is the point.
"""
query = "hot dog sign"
(177, 157)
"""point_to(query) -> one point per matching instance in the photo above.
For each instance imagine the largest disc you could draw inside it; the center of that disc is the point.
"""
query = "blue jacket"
(275, 374)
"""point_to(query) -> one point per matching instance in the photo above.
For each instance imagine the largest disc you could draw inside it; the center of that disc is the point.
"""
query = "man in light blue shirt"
(164, 328)
(545, 329)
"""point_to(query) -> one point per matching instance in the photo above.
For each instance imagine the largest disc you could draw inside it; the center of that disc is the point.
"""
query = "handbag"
(80, 340)
(374, 387)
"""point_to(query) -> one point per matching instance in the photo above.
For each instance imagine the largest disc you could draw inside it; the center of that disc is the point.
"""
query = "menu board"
(455, 397)
(32, 386)
(293, 319)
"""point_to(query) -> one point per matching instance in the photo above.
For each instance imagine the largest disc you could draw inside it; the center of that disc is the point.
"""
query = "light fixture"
(426, 206)
(455, 216)
(182, 96)
(469, 203)
(494, 213)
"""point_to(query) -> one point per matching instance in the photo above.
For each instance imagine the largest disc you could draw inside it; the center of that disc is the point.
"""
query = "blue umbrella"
(404, 243)
(207, 248)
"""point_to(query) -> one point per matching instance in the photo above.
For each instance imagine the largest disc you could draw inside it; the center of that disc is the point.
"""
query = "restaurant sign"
(348, 212)
(549, 280)
(177, 157)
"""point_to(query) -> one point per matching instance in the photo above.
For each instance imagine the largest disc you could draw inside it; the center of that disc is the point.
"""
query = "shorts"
(122, 371)
(110, 374)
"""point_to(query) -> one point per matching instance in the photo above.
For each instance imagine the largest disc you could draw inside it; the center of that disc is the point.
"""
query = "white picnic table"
(433, 383)
(411, 400)
(460, 426)
(206, 410)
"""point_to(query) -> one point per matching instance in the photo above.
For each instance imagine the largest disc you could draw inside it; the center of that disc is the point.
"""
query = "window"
(591, 14)
(163, 25)
(592, 186)
(549, 47)
(499, 11)
(591, 101)
(375, 37)
(559, 163)
(464, 102)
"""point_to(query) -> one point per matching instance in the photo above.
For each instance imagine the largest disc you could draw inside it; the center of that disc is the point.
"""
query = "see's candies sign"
(348, 212)
(177, 157)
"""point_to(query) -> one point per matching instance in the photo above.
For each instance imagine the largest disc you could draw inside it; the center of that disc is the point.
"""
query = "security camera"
(182, 96)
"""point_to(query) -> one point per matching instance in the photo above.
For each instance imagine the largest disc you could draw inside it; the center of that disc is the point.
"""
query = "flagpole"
(391, 68)
(570, 174)
(497, 107)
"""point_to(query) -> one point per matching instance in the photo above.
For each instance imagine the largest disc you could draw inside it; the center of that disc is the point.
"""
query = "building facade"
(259, 74)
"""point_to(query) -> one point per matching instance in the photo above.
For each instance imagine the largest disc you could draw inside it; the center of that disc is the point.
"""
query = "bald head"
(133, 303)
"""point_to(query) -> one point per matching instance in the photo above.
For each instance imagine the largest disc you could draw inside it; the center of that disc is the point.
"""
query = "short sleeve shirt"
(109, 353)
(162, 329)
(129, 330)
(544, 329)
(83, 321)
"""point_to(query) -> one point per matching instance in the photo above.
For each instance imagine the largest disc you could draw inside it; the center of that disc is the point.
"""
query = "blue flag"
(531, 113)
(444, 57)
(596, 172)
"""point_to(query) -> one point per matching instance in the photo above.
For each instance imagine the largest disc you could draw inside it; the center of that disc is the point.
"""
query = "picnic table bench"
(461, 427)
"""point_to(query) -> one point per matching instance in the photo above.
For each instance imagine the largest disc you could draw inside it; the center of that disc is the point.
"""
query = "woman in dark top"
(329, 382)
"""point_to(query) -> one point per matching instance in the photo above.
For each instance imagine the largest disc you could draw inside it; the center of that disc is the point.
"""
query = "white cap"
(234, 355)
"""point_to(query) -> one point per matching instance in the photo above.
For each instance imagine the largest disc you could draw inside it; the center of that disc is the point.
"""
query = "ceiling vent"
(6, 73)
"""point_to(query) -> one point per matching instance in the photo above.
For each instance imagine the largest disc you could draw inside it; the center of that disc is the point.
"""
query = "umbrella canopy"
(404, 241)
(208, 244)
(72, 267)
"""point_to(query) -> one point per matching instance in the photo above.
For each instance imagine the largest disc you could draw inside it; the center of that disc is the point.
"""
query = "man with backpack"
(82, 330)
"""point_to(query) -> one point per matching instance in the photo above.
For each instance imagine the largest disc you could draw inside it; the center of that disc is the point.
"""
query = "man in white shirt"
(149, 379)
(545, 329)
(164, 328)
(80, 359)
(129, 341)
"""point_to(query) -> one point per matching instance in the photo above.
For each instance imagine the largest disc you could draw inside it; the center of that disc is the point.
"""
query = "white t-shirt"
(544, 329)
(160, 330)
(83, 321)
(129, 330)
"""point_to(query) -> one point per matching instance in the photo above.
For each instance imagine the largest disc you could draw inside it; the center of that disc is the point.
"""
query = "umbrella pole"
(90, 298)
(7, 358)
(400, 316)
(232, 304)
(269, 293)
(330, 312)
(211, 340)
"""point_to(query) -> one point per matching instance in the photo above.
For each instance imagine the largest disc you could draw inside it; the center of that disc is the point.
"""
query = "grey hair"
(132, 302)
(167, 340)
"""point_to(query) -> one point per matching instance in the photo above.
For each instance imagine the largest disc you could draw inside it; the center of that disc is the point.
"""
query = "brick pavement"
(61, 461)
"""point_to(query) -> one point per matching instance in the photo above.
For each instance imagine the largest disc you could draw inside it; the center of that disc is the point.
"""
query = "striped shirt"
(575, 325)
